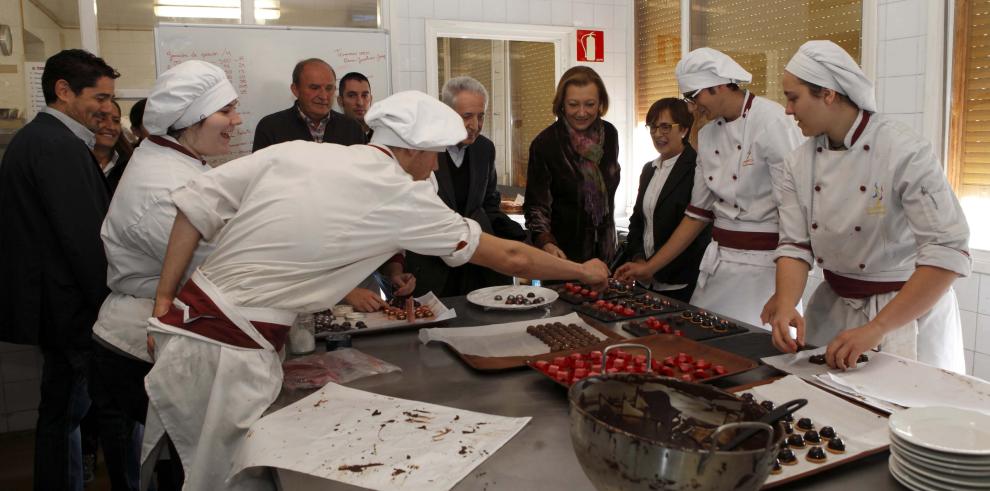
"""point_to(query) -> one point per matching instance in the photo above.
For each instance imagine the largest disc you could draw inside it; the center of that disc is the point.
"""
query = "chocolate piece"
(788, 429)
(862, 358)
(789, 418)
(805, 424)
(776, 468)
(795, 441)
(836, 445)
(531, 295)
(361, 325)
(786, 456)
(746, 396)
(817, 359)
(811, 436)
(827, 432)
(768, 405)
(498, 298)
(816, 455)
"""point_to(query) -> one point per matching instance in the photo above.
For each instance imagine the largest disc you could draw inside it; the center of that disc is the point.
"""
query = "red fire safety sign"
(590, 45)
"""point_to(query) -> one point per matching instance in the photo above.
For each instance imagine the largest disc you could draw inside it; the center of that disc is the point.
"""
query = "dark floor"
(17, 460)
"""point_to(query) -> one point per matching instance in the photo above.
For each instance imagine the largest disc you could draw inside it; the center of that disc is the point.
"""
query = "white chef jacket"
(875, 212)
(295, 234)
(135, 234)
(738, 161)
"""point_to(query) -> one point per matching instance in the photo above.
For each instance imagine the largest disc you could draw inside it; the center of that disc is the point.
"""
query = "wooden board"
(498, 363)
(662, 346)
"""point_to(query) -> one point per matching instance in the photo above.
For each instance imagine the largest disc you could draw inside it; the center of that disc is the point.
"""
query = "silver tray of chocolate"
(512, 297)
(404, 313)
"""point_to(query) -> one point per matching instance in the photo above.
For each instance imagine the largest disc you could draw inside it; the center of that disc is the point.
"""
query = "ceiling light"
(217, 9)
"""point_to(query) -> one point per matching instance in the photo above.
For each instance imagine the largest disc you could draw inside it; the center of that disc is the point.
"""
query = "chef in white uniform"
(293, 235)
(740, 154)
(196, 101)
(866, 200)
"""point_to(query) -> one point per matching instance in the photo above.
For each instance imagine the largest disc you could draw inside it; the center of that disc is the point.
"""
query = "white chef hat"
(185, 95)
(707, 67)
(414, 120)
(825, 64)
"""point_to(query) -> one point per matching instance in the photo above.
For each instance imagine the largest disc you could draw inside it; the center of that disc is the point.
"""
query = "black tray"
(689, 329)
(643, 304)
(609, 293)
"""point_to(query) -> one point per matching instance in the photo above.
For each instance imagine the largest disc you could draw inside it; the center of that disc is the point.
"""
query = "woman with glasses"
(664, 193)
(866, 200)
(574, 172)
(739, 153)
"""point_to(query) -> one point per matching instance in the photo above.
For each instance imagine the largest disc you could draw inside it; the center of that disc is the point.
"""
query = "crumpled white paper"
(500, 340)
(375, 441)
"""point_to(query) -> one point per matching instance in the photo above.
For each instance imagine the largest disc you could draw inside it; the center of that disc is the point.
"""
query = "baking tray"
(804, 468)
(688, 329)
(609, 293)
(662, 346)
(377, 322)
(640, 305)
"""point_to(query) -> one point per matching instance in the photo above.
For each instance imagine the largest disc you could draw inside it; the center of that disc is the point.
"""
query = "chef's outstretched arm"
(780, 310)
(182, 244)
(921, 292)
(514, 258)
(683, 236)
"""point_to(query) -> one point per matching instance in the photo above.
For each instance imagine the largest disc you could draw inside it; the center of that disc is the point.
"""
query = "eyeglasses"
(662, 128)
(689, 98)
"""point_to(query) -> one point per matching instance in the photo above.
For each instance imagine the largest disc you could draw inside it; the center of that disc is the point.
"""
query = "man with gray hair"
(466, 182)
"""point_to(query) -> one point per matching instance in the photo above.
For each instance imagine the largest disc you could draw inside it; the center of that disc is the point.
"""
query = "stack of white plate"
(940, 448)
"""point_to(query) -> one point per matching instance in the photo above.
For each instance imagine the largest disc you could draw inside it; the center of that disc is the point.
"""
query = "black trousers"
(64, 401)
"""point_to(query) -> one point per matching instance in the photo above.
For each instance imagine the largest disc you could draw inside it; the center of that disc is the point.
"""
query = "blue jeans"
(64, 402)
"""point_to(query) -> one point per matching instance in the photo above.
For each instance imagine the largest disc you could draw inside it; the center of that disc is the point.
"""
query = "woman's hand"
(403, 284)
(364, 300)
(554, 250)
(636, 270)
(845, 349)
(595, 274)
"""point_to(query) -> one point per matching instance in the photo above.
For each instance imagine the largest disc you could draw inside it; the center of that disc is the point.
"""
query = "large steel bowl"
(642, 431)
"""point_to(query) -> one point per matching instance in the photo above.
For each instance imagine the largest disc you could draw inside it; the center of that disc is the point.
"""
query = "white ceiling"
(139, 13)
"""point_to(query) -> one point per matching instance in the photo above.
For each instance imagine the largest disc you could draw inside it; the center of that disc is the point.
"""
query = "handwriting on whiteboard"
(233, 65)
(359, 57)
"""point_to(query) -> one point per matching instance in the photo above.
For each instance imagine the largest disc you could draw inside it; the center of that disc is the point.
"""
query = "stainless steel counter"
(540, 456)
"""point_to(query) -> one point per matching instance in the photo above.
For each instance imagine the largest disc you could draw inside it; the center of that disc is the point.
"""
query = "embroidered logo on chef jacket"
(749, 159)
(876, 207)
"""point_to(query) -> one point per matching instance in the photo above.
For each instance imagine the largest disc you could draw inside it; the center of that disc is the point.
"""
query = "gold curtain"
(969, 130)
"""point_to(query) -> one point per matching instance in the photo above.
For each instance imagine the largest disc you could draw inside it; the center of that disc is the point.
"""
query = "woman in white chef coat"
(190, 114)
(740, 152)
(866, 200)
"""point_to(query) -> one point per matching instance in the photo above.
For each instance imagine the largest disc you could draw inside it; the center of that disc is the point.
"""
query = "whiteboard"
(258, 60)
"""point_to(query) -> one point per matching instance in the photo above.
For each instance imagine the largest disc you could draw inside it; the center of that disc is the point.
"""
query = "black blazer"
(553, 188)
(288, 125)
(674, 197)
(53, 271)
(113, 178)
(483, 207)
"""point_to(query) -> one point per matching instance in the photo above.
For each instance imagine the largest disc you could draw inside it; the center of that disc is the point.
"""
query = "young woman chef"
(866, 200)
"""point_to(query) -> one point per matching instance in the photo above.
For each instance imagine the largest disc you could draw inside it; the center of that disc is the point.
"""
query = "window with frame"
(968, 162)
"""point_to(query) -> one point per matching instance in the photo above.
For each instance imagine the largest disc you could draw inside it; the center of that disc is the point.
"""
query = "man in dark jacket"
(53, 198)
(312, 117)
(466, 181)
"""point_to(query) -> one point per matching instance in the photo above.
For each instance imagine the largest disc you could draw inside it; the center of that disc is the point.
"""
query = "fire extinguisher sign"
(590, 45)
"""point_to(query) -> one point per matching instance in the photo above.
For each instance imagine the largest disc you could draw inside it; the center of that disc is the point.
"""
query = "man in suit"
(312, 117)
(466, 182)
(355, 98)
(53, 198)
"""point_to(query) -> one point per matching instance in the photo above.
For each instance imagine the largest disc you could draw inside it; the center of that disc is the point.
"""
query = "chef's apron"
(737, 272)
(215, 373)
(842, 303)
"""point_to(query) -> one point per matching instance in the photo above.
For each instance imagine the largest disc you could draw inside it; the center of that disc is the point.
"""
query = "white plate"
(946, 429)
(978, 480)
(485, 297)
(937, 480)
(968, 461)
(910, 481)
(950, 468)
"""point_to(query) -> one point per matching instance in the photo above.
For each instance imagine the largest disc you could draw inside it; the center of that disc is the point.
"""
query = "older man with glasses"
(740, 152)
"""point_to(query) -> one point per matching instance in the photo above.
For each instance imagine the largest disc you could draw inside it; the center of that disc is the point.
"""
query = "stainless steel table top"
(540, 456)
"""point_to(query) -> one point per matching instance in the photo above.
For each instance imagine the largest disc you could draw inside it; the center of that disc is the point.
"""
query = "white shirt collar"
(457, 154)
(665, 163)
(111, 164)
(82, 132)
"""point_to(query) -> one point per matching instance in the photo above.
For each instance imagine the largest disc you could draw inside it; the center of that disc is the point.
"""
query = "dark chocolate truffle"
(827, 432)
(787, 428)
(776, 469)
(786, 456)
(811, 436)
(795, 441)
(768, 405)
(836, 445)
(805, 424)
(816, 455)
(817, 359)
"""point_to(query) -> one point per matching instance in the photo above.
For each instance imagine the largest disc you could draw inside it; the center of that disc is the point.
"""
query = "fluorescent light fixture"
(217, 9)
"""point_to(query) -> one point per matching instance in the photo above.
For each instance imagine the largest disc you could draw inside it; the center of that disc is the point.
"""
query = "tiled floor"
(17, 460)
